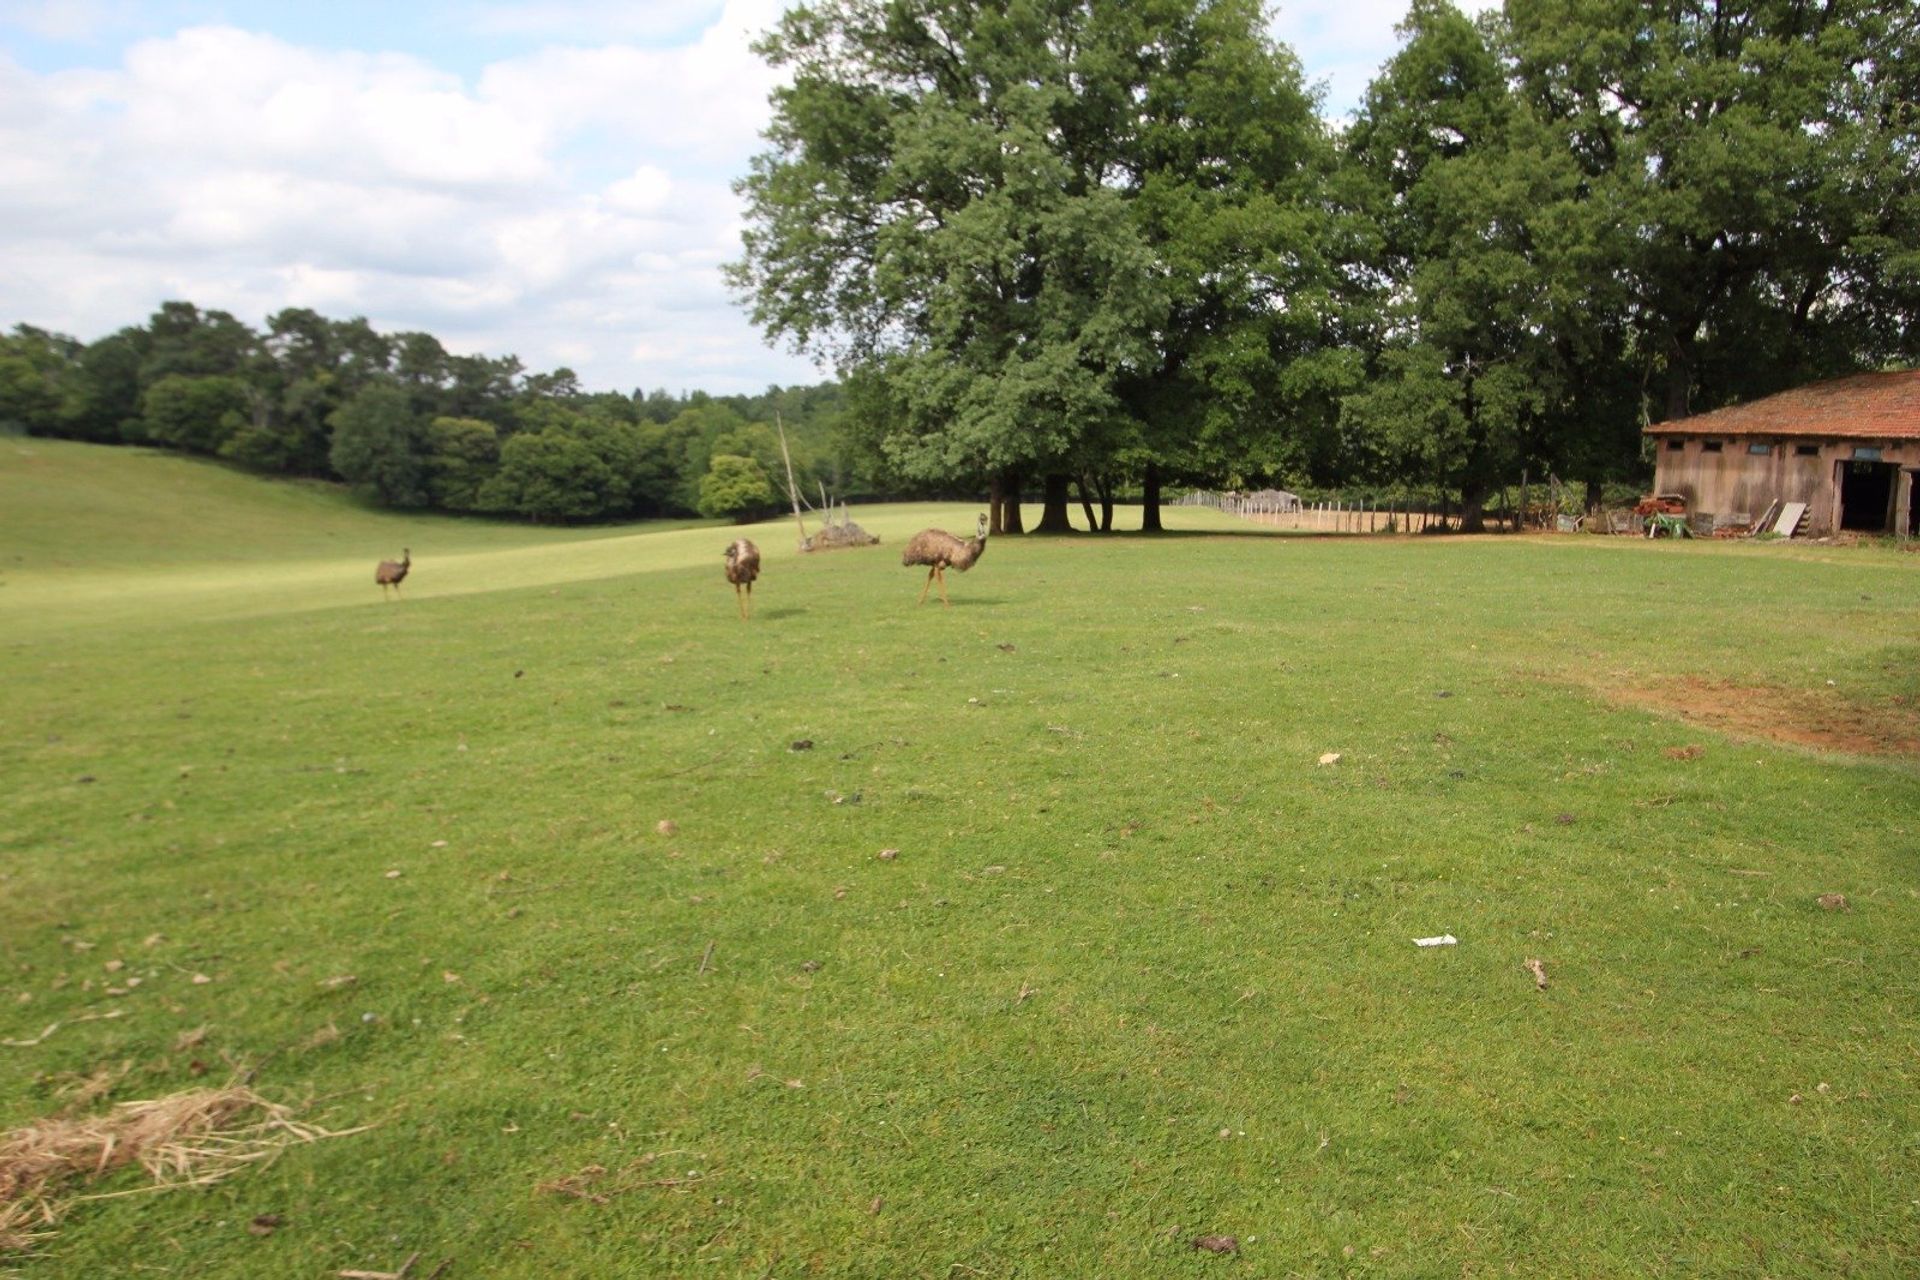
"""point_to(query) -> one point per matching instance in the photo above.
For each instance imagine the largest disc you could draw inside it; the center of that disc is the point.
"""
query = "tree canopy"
(1019, 218)
(407, 421)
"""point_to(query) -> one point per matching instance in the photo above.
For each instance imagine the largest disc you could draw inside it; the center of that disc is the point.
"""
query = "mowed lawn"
(1142, 969)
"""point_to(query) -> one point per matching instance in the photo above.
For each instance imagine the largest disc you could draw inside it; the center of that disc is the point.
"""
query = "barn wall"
(1733, 480)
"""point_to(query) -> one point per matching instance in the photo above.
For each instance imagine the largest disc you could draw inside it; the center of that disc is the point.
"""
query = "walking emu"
(743, 566)
(391, 572)
(942, 551)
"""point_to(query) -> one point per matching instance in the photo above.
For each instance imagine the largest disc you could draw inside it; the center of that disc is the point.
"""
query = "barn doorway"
(1866, 495)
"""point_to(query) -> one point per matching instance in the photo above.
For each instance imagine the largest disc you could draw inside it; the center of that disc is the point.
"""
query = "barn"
(1848, 448)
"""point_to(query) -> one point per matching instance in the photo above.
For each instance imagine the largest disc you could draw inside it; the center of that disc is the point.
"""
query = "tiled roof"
(1865, 406)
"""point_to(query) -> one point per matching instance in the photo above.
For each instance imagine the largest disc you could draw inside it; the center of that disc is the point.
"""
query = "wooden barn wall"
(1733, 481)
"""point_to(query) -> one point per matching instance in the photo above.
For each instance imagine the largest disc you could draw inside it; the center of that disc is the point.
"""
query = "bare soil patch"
(1824, 720)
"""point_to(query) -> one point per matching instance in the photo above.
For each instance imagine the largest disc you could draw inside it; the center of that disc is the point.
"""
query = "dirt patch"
(1822, 720)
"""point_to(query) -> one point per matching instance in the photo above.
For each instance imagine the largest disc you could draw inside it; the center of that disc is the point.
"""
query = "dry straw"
(188, 1139)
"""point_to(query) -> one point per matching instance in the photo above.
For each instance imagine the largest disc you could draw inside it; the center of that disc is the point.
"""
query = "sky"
(544, 178)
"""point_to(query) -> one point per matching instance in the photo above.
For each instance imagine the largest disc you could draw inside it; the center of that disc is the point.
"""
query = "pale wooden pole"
(793, 493)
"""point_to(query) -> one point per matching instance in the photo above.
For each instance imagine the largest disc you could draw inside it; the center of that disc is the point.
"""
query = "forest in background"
(415, 426)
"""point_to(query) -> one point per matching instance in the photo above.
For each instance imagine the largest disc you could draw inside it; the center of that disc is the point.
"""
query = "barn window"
(1865, 453)
(1676, 446)
(1760, 450)
(1806, 451)
(1709, 446)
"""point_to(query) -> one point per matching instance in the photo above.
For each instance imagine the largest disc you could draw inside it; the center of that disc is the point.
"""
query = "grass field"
(1141, 971)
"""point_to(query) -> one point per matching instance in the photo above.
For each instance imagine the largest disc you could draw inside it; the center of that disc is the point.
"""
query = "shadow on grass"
(1201, 535)
(774, 615)
(964, 602)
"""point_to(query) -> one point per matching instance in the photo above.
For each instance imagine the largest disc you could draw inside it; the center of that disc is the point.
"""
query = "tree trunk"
(1053, 514)
(1105, 484)
(1010, 503)
(1679, 380)
(1473, 501)
(1086, 503)
(1594, 495)
(994, 499)
(1150, 499)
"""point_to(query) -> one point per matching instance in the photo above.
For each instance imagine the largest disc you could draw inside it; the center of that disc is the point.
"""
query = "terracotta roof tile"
(1865, 406)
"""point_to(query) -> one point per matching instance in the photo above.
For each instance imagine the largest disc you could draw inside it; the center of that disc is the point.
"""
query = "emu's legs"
(923, 590)
(942, 578)
(739, 603)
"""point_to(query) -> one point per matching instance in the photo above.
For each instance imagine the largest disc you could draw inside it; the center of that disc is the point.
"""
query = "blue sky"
(543, 177)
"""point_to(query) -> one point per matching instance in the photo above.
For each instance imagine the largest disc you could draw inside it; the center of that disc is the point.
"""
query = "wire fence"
(1284, 510)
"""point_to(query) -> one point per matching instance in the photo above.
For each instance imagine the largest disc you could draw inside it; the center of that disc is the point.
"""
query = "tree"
(107, 386)
(735, 487)
(38, 386)
(194, 343)
(462, 455)
(1466, 268)
(199, 414)
(1232, 172)
(1761, 162)
(379, 443)
(550, 475)
(946, 206)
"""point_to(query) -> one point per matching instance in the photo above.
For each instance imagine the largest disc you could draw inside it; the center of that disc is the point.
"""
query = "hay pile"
(188, 1139)
(835, 536)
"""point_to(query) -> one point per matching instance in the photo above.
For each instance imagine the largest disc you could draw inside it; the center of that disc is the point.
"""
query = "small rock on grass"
(888, 855)
(1331, 757)
(1834, 902)
(666, 827)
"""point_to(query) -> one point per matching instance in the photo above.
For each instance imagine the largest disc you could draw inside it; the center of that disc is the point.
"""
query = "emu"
(392, 572)
(942, 551)
(743, 566)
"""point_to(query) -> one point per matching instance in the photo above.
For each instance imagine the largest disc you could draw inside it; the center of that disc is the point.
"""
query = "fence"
(1285, 511)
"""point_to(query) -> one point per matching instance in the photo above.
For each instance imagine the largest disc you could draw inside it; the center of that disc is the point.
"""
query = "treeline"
(1118, 243)
(416, 426)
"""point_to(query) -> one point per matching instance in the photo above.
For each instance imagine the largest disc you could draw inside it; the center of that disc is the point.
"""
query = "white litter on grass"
(1444, 940)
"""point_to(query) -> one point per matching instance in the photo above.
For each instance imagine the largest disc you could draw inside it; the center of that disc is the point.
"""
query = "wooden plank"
(1790, 517)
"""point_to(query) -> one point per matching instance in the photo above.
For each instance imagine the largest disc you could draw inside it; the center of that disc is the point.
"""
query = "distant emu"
(942, 551)
(743, 566)
(392, 572)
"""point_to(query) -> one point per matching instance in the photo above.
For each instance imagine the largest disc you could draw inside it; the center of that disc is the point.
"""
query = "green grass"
(1130, 913)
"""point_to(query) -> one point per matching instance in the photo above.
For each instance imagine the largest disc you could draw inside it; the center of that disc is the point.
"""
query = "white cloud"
(62, 19)
(243, 172)
(647, 190)
(642, 20)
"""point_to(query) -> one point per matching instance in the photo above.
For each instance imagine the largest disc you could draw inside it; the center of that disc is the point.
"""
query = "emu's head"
(406, 556)
(980, 530)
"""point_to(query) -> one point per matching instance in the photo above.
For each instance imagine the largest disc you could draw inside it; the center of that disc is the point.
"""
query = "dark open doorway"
(1866, 495)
